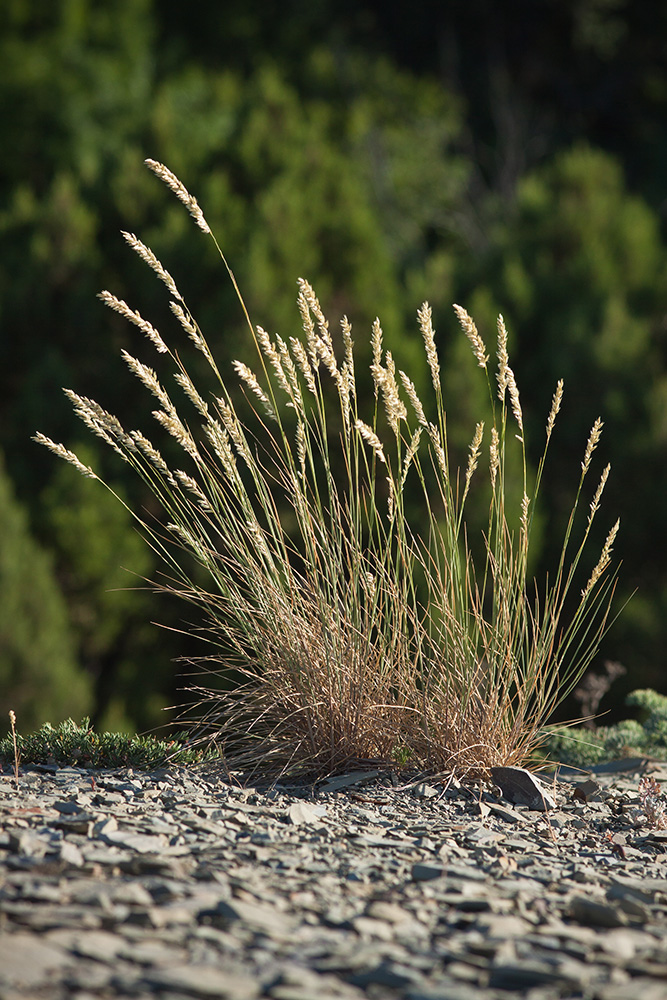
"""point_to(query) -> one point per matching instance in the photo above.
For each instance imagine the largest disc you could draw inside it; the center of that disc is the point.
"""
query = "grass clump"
(356, 619)
(78, 745)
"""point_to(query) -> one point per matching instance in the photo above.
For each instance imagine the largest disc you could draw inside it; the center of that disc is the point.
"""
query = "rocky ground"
(175, 885)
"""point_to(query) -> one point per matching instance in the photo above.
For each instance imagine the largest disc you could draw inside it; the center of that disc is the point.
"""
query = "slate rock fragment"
(522, 788)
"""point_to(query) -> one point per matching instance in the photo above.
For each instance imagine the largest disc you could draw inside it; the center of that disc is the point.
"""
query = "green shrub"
(630, 737)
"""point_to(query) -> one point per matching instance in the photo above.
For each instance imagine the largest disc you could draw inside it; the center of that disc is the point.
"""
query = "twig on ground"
(12, 721)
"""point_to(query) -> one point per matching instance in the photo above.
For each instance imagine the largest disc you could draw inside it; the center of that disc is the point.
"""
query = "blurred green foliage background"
(509, 157)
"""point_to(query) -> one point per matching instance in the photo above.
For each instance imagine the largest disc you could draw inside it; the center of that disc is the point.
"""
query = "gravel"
(177, 884)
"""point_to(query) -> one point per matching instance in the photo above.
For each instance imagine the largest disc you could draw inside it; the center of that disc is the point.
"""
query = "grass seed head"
(503, 359)
(494, 457)
(122, 308)
(603, 561)
(472, 333)
(149, 258)
(371, 438)
(591, 444)
(62, 452)
(181, 192)
(426, 326)
(473, 458)
(555, 407)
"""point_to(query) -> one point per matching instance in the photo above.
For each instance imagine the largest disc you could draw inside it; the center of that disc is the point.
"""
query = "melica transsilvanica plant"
(355, 624)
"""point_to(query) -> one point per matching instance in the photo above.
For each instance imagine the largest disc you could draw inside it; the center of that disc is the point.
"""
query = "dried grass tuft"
(348, 631)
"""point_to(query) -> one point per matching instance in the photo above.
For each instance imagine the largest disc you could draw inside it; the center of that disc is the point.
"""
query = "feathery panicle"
(325, 351)
(525, 503)
(186, 322)
(505, 376)
(348, 343)
(188, 388)
(232, 426)
(181, 192)
(153, 456)
(514, 398)
(320, 346)
(149, 258)
(264, 342)
(371, 438)
(391, 499)
(603, 561)
(591, 444)
(595, 502)
(308, 326)
(62, 452)
(347, 385)
(377, 371)
(494, 457)
(289, 368)
(250, 379)
(121, 307)
(346, 391)
(193, 487)
(313, 304)
(301, 356)
(415, 401)
(440, 455)
(503, 359)
(272, 355)
(424, 316)
(149, 378)
(394, 405)
(413, 447)
(376, 343)
(301, 448)
(472, 333)
(174, 426)
(103, 424)
(219, 438)
(255, 532)
(473, 457)
(555, 407)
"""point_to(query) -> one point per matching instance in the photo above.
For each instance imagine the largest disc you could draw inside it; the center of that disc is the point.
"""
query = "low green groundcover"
(582, 747)
(79, 746)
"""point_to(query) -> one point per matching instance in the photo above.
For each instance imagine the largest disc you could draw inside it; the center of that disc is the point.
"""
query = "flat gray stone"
(370, 841)
(302, 812)
(594, 913)
(341, 781)
(141, 842)
(640, 988)
(426, 791)
(426, 873)
(70, 854)
(28, 962)
(523, 788)
(99, 945)
(264, 918)
(204, 981)
(67, 808)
